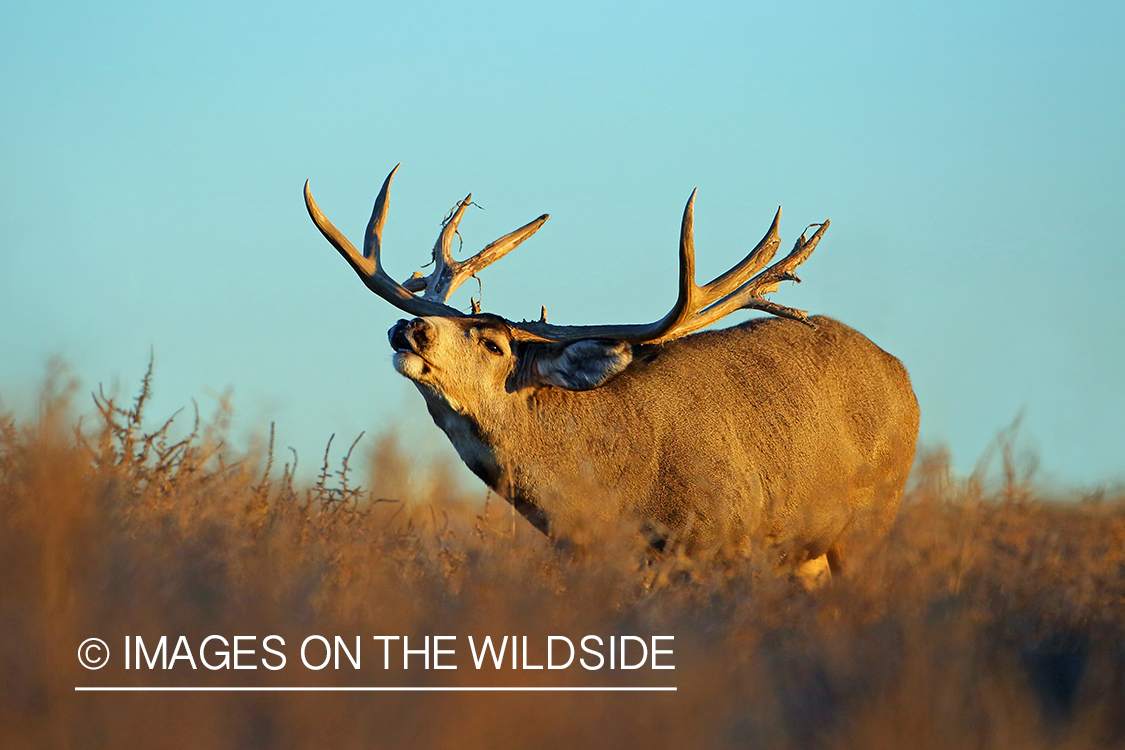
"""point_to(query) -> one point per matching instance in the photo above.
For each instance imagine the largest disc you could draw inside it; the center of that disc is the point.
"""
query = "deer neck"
(486, 447)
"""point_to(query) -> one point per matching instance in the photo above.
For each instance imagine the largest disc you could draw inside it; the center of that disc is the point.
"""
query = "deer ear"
(581, 365)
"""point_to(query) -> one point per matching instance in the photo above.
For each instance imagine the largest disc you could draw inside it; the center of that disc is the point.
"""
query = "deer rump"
(793, 432)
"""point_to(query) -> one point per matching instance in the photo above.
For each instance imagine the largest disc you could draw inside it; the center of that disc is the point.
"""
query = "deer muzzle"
(411, 335)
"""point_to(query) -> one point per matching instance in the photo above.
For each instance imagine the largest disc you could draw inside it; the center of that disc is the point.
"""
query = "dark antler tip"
(390, 176)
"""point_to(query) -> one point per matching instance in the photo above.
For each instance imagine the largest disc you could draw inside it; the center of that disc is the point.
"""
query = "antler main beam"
(742, 287)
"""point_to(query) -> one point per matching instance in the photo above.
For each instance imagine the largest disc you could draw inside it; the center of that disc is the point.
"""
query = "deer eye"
(491, 346)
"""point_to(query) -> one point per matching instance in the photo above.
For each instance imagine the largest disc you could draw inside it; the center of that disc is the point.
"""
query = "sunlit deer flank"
(791, 432)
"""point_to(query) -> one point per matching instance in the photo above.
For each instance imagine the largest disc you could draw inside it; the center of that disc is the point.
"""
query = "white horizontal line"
(370, 689)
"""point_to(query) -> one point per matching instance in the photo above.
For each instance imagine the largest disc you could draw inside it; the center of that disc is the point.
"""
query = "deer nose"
(421, 332)
(410, 335)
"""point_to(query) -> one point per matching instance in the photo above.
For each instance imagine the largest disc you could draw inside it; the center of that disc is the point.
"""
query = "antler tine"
(688, 299)
(369, 266)
(373, 237)
(751, 295)
(449, 274)
(495, 251)
(437, 284)
(755, 261)
(783, 269)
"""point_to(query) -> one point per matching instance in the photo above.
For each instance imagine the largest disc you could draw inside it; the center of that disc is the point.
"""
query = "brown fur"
(770, 432)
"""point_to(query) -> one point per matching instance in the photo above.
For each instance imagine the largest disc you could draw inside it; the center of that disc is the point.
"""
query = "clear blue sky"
(970, 156)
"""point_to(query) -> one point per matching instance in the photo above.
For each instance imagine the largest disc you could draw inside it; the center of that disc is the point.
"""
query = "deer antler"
(738, 288)
(742, 287)
(697, 307)
(447, 275)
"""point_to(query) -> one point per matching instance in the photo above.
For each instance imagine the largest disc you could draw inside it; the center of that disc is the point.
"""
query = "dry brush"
(993, 617)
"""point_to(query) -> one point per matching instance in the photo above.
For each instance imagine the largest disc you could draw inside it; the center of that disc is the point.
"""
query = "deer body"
(770, 431)
(791, 432)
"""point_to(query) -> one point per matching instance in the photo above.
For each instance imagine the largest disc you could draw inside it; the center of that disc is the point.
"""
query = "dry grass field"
(993, 617)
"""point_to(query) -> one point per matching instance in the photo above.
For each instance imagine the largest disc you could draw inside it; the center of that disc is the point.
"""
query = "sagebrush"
(993, 616)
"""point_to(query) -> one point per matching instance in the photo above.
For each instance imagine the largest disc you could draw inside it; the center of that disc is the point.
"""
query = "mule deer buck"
(788, 431)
